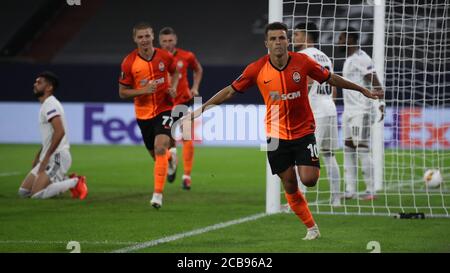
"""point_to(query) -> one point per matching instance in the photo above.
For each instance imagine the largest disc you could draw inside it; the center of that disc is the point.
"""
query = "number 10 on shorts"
(314, 151)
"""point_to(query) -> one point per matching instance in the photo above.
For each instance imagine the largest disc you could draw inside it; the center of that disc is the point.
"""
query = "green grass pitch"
(228, 184)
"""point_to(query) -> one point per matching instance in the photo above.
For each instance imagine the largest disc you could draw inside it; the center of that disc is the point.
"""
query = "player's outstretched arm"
(219, 98)
(341, 82)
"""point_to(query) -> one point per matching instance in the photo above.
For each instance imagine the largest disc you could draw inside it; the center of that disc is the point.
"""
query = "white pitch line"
(9, 174)
(33, 242)
(189, 233)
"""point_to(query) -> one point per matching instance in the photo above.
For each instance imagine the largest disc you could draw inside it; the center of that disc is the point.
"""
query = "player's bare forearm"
(373, 79)
(197, 78)
(36, 158)
(126, 92)
(341, 82)
(174, 78)
(58, 134)
(219, 98)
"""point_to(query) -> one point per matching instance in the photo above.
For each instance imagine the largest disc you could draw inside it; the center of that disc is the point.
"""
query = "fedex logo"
(111, 128)
(417, 129)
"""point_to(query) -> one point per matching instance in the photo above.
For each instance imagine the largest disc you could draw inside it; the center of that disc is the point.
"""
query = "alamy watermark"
(228, 123)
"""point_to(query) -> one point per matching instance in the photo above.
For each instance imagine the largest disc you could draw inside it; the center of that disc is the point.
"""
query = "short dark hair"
(51, 78)
(167, 31)
(310, 29)
(351, 32)
(275, 26)
(141, 25)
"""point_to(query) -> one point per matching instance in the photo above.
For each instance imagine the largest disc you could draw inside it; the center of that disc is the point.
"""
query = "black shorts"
(150, 128)
(301, 151)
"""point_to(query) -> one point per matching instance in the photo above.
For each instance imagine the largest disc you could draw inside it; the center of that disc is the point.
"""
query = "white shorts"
(57, 167)
(357, 128)
(327, 133)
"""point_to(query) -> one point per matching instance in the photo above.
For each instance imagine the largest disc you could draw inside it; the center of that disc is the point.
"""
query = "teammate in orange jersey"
(185, 96)
(281, 77)
(145, 78)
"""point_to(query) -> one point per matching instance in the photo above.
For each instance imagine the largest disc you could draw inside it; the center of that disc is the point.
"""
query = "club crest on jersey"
(161, 66)
(296, 76)
(180, 64)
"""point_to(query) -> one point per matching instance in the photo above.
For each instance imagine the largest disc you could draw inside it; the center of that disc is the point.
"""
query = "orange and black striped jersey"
(285, 93)
(137, 72)
(185, 60)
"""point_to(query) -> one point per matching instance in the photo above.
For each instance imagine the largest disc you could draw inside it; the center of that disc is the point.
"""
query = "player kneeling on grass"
(281, 77)
(48, 176)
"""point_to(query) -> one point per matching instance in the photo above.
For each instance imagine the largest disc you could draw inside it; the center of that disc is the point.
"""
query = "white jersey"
(355, 68)
(321, 95)
(51, 108)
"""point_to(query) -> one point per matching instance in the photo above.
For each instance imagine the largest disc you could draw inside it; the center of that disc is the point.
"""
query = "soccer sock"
(161, 167)
(56, 188)
(169, 155)
(366, 167)
(333, 172)
(188, 156)
(298, 204)
(24, 192)
(350, 169)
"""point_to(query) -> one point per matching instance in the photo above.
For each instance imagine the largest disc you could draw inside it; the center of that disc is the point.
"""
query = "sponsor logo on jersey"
(296, 76)
(275, 95)
(180, 64)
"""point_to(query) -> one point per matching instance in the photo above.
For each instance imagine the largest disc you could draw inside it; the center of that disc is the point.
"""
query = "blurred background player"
(359, 114)
(48, 175)
(185, 96)
(321, 98)
(281, 77)
(145, 78)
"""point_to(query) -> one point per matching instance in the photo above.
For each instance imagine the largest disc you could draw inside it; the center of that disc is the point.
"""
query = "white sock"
(334, 175)
(56, 188)
(350, 169)
(186, 176)
(366, 167)
(24, 193)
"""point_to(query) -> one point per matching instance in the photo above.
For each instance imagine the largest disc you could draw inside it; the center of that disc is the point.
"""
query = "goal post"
(378, 60)
(273, 203)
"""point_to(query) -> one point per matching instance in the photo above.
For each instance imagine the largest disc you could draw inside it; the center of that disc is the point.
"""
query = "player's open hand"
(172, 92)
(150, 87)
(194, 92)
(375, 94)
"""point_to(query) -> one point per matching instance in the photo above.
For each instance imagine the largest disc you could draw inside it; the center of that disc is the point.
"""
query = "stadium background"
(84, 45)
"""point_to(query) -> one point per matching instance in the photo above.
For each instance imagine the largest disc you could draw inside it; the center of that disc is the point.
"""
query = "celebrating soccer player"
(281, 77)
(321, 98)
(185, 96)
(145, 78)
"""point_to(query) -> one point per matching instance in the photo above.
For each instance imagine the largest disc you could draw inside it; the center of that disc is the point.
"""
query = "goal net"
(408, 41)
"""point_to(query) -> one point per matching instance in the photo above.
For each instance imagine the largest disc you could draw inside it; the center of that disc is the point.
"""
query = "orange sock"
(161, 166)
(188, 156)
(298, 204)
